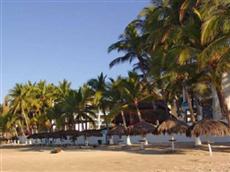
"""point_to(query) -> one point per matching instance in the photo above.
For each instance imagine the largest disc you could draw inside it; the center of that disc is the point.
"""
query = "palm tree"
(215, 37)
(172, 50)
(100, 91)
(20, 103)
(134, 91)
(77, 107)
(63, 88)
(44, 96)
(117, 100)
(130, 43)
(201, 50)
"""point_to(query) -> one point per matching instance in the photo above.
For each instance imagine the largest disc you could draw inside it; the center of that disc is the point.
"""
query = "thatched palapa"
(141, 128)
(171, 126)
(210, 127)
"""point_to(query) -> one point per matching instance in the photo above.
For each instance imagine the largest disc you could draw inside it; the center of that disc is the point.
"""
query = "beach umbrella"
(172, 126)
(208, 127)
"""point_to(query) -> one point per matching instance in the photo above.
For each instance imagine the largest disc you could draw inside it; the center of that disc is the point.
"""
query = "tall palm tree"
(172, 50)
(215, 37)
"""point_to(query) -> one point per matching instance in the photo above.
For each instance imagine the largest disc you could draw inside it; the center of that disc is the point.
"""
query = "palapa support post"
(210, 149)
(198, 141)
(209, 146)
(146, 141)
(128, 140)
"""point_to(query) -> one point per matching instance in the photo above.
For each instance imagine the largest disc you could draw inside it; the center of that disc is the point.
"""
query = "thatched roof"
(210, 127)
(172, 126)
(141, 128)
(118, 130)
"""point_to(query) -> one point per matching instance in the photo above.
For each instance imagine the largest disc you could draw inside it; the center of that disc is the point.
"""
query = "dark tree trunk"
(82, 126)
(130, 119)
(189, 100)
(142, 66)
(198, 107)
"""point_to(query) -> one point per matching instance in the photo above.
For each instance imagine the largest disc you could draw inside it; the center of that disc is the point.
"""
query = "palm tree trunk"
(26, 121)
(82, 126)
(189, 100)
(16, 132)
(22, 130)
(86, 127)
(199, 108)
(140, 59)
(138, 111)
(123, 119)
(107, 128)
(223, 105)
(174, 109)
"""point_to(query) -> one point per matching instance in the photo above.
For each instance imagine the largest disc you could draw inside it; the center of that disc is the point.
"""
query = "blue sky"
(53, 40)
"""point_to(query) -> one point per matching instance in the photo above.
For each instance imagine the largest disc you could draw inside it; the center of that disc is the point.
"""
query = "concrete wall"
(135, 139)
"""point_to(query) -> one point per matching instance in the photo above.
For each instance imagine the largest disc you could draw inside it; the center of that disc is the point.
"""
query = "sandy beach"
(112, 158)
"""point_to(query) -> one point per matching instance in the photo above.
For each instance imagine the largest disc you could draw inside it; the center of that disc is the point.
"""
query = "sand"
(115, 159)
